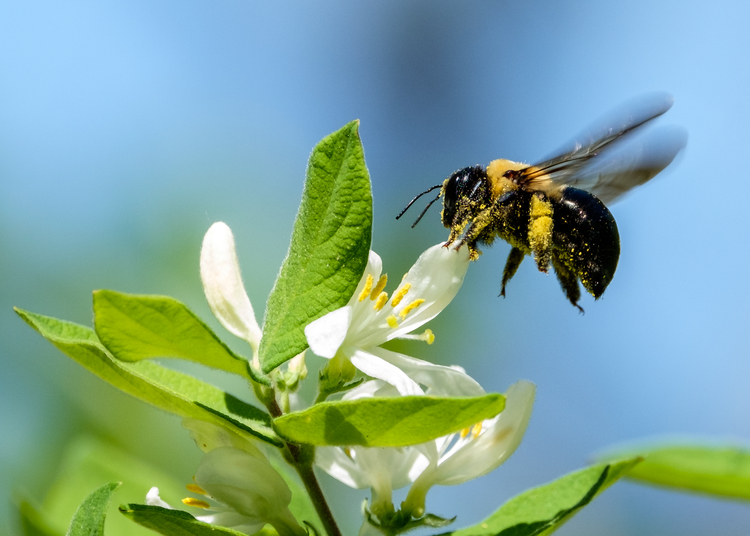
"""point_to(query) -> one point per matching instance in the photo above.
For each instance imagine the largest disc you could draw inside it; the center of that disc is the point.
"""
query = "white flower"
(222, 284)
(248, 491)
(475, 452)
(356, 331)
(380, 469)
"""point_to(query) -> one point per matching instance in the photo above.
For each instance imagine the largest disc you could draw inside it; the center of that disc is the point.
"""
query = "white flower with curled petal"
(356, 331)
(245, 491)
(222, 284)
(474, 452)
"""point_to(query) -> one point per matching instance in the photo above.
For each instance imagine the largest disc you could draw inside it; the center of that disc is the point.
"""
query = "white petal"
(374, 268)
(245, 483)
(326, 334)
(222, 284)
(209, 436)
(336, 463)
(479, 456)
(441, 380)
(371, 364)
(153, 499)
(436, 277)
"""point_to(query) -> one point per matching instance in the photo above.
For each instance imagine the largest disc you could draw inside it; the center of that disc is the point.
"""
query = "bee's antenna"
(413, 225)
(420, 195)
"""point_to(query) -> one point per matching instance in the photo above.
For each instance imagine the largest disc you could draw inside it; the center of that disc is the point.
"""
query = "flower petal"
(245, 483)
(441, 380)
(374, 268)
(326, 334)
(222, 284)
(495, 445)
(371, 364)
(436, 277)
(153, 499)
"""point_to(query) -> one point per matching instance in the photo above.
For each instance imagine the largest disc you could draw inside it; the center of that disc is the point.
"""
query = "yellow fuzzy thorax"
(495, 171)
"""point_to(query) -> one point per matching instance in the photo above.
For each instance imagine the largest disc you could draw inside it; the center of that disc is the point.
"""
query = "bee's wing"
(631, 165)
(584, 165)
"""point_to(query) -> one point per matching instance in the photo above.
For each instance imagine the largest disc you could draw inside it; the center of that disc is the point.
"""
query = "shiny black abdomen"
(585, 238)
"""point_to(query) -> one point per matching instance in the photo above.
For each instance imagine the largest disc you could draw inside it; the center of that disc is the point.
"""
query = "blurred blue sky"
(127, 128)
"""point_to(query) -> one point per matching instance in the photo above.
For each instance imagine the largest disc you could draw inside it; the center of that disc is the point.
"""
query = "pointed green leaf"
(386, 422)
(173, 522)
(87, 462)
(329, 248)
(159, 386)
(89, 518)
(543, 510)
(722, 470)
(134, 327)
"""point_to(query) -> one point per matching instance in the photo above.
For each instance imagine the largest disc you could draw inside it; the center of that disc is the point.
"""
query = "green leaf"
(159, 386)
(386, 422)
(172, 522)
(89, 518)
(543, 510)
(134, 327)
(86, 463)
(329, 248)
(722, 470)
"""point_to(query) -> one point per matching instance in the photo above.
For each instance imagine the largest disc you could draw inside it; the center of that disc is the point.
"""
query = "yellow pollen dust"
(429, 336)
(196, 502)
(381, 301)
(400, 295)
(379, 287)
(392, 321)
(195, 488)
(409, 308)
(368, 285)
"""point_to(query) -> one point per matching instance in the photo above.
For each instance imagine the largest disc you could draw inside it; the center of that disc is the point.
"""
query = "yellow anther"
(348, 452)
(381, 301)
(379, 287)
(409, 308)
(400, 295)
(476, 429)
(465, 432)
(195, 488)
(429, 336)
(368, 285)
(392, 321)
(195, 502)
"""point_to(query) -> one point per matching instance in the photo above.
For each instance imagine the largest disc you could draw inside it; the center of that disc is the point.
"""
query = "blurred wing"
(602, 137)
(631, 165)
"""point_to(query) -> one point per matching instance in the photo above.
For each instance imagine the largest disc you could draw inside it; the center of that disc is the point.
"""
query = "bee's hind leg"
(568, 281)
(511, 265)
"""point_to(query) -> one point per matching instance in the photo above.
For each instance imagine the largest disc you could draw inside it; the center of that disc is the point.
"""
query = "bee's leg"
(480, 223)
(511, 265)
(568, 281)
(540, 231)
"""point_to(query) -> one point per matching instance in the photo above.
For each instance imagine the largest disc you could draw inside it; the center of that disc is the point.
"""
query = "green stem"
(302, 459)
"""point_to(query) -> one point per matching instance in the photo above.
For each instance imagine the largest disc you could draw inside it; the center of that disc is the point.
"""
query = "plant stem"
(302, 460)
(312, 486)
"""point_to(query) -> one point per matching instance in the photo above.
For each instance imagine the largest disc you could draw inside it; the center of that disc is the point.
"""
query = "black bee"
(556, 209)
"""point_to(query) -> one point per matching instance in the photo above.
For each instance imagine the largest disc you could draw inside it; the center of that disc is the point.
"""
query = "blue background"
(127, 128)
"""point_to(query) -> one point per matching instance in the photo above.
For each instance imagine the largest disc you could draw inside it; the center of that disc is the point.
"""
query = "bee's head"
(464, 193)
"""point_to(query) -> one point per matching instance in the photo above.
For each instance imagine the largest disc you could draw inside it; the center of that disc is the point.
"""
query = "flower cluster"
(237, 475)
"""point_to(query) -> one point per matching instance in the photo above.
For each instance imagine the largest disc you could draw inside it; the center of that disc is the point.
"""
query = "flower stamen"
(368, 285)
(379, 287)
(381, 301)
(195, 488)
(392, 321)
(409, 308)
(400, 295)
(189, 501)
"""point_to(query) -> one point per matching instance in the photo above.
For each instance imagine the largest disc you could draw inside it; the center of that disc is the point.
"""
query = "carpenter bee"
(555, 210)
